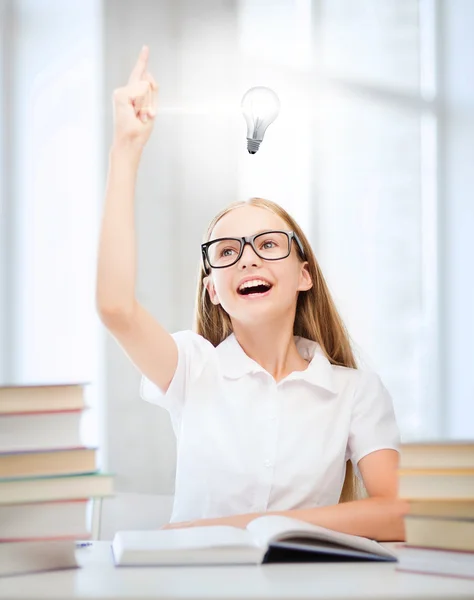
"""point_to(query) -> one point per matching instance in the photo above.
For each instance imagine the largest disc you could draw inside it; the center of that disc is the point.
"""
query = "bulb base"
(253, 145)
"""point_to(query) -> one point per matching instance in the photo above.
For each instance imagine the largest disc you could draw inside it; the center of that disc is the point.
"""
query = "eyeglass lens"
(270, 246)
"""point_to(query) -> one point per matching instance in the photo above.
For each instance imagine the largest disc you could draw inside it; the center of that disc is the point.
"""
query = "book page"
(184, 538)
(274, 528)
(190, 545)
(270, 527)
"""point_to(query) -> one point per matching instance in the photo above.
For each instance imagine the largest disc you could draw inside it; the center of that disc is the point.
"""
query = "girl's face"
(285, 277)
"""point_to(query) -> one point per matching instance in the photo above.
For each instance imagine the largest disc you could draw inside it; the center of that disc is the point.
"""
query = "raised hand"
(135, 104)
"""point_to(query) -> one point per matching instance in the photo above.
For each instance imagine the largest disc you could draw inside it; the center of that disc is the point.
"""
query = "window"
(55, 185)
(375, 190)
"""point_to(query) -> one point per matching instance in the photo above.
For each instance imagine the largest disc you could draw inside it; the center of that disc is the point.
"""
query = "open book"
(269, 538)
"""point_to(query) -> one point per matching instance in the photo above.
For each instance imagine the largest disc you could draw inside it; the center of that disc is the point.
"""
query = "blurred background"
(373, 153)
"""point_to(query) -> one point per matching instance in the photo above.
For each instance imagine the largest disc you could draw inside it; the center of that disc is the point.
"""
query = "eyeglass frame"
(250, 239)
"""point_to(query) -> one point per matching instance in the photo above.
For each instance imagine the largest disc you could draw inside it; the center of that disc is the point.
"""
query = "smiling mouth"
(259, 288)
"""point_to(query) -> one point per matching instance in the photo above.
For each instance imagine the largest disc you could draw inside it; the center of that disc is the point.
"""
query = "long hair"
(316, 316)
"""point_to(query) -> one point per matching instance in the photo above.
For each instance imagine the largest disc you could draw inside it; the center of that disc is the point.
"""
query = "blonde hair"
(316, 316)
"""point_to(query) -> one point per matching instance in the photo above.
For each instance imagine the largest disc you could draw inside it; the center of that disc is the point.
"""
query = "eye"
(227, 252)
(268, 245)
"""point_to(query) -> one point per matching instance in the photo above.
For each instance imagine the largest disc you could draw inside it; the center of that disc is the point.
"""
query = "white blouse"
(248, 444)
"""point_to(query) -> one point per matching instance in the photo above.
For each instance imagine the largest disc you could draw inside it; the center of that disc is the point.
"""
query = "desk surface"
(99, 579)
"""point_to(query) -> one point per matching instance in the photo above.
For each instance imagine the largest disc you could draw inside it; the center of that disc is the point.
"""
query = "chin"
(256, 316)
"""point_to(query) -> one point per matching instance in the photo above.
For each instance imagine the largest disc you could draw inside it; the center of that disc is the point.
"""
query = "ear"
(211, 290)
(305, 279)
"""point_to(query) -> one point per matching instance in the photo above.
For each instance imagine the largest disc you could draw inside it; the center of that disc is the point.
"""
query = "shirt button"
(267, 463)
(273, 418)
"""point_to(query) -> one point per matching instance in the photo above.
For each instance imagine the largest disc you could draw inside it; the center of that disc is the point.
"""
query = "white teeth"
(254, 283)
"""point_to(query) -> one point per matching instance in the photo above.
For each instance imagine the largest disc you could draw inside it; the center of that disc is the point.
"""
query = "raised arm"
(147, 343)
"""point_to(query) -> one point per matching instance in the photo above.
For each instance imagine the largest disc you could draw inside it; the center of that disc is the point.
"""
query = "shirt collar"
(235, 363)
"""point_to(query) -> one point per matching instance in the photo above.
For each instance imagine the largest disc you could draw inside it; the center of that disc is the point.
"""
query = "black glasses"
(269, 245)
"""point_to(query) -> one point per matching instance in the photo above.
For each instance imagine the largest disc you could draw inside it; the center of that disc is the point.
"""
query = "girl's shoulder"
(361, 382)
(190, 341)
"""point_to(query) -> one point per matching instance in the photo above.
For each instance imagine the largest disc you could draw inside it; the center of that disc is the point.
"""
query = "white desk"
(99, 579)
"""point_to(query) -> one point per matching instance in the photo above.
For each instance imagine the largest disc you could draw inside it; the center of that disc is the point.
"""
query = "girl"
(268, 407)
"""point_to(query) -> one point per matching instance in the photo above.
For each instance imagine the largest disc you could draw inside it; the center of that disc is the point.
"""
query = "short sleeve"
(193, 351)
(373, 424)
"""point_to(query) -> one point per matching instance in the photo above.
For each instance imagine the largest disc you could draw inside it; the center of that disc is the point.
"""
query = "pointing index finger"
(141, 65)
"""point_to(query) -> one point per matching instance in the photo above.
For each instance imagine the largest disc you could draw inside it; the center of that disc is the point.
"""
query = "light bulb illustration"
(260, 107)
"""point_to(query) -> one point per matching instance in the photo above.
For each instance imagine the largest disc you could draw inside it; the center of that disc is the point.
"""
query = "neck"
(272, 346)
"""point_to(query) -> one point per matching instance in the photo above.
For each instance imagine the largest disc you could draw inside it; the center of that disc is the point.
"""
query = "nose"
(249, 258)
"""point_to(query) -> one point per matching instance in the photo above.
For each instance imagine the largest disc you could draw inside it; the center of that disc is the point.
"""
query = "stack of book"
(47, 478)
(438, 481)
